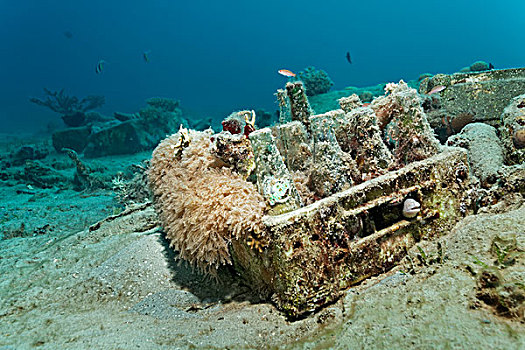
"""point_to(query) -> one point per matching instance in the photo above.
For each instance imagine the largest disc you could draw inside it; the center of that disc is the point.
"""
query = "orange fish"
(286, 73)
(366, 104)
(436, 89)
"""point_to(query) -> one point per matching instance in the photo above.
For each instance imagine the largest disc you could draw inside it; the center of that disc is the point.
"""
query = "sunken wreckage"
(379, 183)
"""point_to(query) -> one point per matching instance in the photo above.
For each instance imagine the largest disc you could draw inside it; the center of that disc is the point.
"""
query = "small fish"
(100, 66)
(348, 58)
(145, 55)
(366, 104)
(436, 89)
(491, 66)
(68, 34)
(286, 73)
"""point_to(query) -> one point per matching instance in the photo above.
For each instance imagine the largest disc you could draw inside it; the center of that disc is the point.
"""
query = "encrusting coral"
(331, 169)
(359, 135)
(203, 204)
(486, 153)
(410, 131)
(315, 81)
(163, 103)
(512, 130)
(298, 102)
(350, 102)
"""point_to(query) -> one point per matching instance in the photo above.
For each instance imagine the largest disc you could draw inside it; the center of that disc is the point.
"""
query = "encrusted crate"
(315, 252)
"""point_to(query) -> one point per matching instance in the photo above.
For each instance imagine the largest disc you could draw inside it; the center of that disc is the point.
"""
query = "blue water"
(219, 56)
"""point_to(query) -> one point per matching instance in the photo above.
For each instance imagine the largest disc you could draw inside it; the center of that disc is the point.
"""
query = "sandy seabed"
(117, 285)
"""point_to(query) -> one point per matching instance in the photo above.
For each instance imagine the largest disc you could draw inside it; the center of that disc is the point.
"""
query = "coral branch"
(61, 103)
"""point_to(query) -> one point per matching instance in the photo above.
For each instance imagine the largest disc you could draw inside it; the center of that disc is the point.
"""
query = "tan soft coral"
(201, 203)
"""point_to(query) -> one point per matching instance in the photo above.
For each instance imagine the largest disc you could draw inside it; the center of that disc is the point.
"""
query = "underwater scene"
(262, 175)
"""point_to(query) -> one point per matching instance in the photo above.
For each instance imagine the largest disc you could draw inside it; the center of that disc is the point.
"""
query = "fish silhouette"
(100, 66)
(348, 57)
(145, 55)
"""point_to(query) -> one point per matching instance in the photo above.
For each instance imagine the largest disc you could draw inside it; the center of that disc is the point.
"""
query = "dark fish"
(100, 66)
(145, 55)
(348, 58)
(491, 66)
(68, 34)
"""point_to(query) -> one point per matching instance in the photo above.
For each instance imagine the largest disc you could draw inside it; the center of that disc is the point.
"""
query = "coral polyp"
(276, 190)
(202, 203)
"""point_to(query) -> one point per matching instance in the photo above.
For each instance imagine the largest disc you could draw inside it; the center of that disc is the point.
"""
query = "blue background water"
(218, 56)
